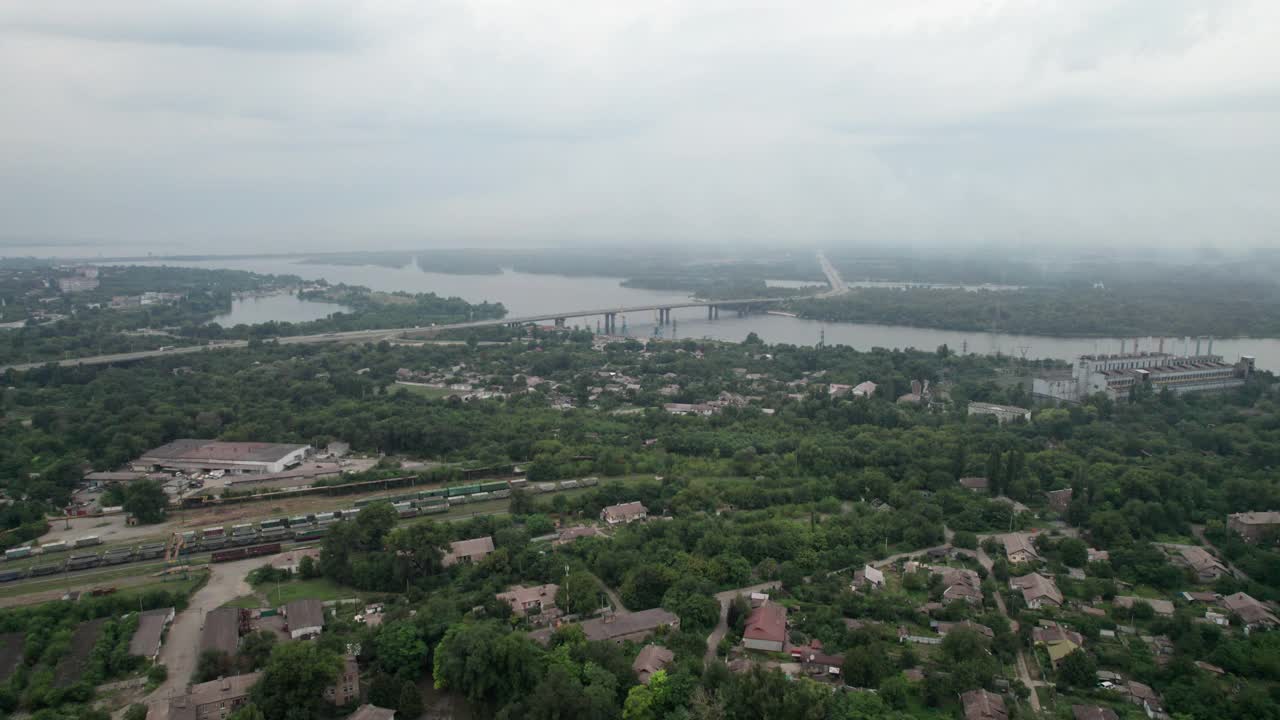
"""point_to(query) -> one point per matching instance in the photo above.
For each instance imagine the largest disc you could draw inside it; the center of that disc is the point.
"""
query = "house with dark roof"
(983, 705)
(1254, 614)
(650, 660)
(146, 638)
(766, 628)
(1037, 591)
(959, 584)
(1019, 548)
(1059, 500)
(221, 631)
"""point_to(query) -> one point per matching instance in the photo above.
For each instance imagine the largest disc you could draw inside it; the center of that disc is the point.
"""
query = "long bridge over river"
(609, 315)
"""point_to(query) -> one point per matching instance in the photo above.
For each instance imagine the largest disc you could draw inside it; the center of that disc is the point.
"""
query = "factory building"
(1118, 375)
(231, 457)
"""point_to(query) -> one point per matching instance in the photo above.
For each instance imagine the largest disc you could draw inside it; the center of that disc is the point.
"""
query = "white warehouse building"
(1117, 375)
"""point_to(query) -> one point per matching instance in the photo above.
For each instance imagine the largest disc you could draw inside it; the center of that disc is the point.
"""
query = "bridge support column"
(715, 312)
(559, 322)
(610, 323)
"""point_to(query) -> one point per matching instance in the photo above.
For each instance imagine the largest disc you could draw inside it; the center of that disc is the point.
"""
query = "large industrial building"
(232, 457)
(1117, 375)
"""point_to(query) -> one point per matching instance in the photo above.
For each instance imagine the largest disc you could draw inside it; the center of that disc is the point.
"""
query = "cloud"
(928, 121)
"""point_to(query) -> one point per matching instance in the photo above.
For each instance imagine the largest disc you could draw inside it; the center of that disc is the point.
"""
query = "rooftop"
(222, 688)
(1036, 585)
(618, 625)
(767, 622)
(188, 449)
(305, 613)
(221, 630)
(146, 639)
(1269, 517)
(468, 548)
(372, 712)
(983, 705)
(1249, 609)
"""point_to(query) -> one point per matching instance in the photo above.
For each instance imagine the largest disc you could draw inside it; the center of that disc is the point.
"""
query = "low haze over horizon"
(289, 126)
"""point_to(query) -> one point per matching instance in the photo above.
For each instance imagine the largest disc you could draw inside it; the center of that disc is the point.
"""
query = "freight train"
(249, 540)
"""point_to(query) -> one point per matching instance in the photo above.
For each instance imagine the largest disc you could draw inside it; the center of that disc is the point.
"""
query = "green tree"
(467, 655)
(294, 679)
(255, 649)
(400, 649)
(1078, 669)
(146, 501)
(247, 712)
(410, 705)
(307, 568)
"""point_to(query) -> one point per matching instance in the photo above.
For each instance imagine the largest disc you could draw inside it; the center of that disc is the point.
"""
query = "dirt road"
(722, 627)
(181, 648)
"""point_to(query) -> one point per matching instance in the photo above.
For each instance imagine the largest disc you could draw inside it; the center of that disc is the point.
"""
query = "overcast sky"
(256, 124)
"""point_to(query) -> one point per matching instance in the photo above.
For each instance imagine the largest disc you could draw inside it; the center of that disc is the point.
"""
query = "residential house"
(530, 601)
(959, 584)
(468, 551)
(305, 618)
(982, 705)
(346, 688)
(1206, 567)
(624, 513)
(1205, 597)
(1144, 697)
(1058, 642)
(651, 659)
(1254, 614)
(568, 535)
(1059, 500)
(146, 638)
(1037, 591)
(766, 628)
(1254, 526)
(975, 484)
(1093, 712)
(818, 663)
(868, 577)
(1164, 608)
(1096, 555)
(1019, 548)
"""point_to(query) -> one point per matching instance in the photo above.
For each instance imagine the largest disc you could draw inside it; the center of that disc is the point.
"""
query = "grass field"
(321, 589)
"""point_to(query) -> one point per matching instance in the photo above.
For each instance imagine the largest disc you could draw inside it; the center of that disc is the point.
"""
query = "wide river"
(529, 294)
